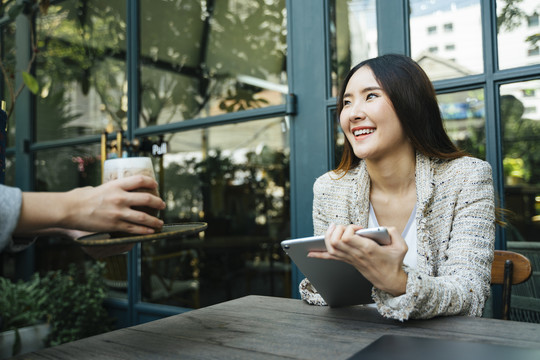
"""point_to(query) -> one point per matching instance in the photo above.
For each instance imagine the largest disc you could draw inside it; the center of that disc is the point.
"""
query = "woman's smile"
(361, 132)
(368, 119)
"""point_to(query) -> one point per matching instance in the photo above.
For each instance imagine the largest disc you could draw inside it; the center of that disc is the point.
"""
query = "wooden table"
(261, 327)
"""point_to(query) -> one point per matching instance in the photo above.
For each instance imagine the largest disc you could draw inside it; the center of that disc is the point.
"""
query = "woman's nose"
(357, 112)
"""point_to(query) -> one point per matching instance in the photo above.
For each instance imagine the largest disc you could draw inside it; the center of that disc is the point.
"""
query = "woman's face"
(368, 119)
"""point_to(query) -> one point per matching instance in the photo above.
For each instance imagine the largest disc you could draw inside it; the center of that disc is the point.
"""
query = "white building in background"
(363, 30)
(515, 51)
(447, 32)
(446, 39)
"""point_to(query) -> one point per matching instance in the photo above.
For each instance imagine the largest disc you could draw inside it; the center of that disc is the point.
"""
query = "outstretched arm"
(105, 208)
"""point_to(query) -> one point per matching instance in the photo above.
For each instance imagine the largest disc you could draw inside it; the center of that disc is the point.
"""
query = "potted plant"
(21, 327)
(68, 303)
(74, 307)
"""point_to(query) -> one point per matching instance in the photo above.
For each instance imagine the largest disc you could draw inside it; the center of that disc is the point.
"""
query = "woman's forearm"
(40, 211)
(105, 208)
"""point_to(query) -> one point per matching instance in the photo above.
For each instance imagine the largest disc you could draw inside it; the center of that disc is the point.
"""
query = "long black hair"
(415, 103)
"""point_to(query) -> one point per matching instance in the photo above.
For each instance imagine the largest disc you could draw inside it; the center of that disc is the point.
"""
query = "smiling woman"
(367, 118)
(400, 170)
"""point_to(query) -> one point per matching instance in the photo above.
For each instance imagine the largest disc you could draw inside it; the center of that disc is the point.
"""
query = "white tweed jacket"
(455, 219)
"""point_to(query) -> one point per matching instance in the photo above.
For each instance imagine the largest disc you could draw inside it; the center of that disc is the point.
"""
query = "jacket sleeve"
(10, 209)
(307, 291)
(321, 194)
(461, 280)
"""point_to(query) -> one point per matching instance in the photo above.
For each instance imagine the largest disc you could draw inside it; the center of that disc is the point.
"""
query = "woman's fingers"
(342, 238)
(145, 199)
(116, 206)
(135, 186)
(136, 182)
(139, 222)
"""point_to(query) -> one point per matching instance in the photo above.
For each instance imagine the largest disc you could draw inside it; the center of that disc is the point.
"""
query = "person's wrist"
(68, 205)
(399, 284)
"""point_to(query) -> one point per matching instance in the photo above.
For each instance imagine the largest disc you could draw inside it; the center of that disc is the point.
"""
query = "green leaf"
(533, 39)
(31, 82)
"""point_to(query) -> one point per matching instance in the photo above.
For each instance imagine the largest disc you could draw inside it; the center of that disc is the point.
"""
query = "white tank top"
(409, 234)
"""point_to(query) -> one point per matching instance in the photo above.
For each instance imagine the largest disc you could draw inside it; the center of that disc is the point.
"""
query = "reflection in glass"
(446, 37)
(63, 169)
(7, 53)
(353, 36)
(81, 69)
(10, 170)
(518, 33)
(520, 116)
(66, 168)
(203, 58)
(463, 114)
(236, 178)
(115, 275)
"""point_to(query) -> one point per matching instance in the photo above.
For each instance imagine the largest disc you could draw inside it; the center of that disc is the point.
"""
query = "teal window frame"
(309, 107)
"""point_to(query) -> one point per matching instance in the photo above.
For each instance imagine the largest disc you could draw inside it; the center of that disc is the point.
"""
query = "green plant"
(19, 307)
(28, 8)
(74, 307)
(18, 304)
(70, 301)
(515, 168)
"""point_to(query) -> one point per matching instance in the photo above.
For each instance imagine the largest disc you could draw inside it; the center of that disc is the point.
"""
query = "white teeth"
(363, 132)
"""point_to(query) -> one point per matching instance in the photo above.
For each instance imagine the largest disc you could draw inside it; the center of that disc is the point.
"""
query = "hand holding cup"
(120, 168)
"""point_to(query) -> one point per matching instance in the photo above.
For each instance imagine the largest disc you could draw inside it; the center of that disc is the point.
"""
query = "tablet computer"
(404, 347)
(339, 283)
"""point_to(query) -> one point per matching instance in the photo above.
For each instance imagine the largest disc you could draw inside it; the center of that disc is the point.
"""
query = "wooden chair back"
(509, 268)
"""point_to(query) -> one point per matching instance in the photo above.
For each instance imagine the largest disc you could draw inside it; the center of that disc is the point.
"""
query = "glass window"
(81, 69)
(431, 30)
(3, 141)
(517, 41)
(236, 178)
(353, 36)
(66, 168)
(463, 114)
(63, 169)
(532, 20)
(115, 275)
(7, 55)
(530, 110)
(521, 160)
(535, 51)
(9, 178)
(202, 58)
(339, 138)
(464, 30)
(521, 164)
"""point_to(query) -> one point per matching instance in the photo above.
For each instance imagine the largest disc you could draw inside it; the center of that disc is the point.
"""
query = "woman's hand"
(109, 207)
(381, 265)
(105, 208)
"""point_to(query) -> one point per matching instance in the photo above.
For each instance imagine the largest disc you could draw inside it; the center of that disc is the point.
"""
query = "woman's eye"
(346, 102)
(371, 96)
